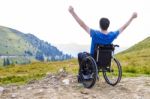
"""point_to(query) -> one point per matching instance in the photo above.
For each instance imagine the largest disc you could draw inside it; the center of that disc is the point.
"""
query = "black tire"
(113, 74)
(88, 72)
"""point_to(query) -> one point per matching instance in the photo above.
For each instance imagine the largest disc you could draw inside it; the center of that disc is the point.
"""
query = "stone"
(66, 81)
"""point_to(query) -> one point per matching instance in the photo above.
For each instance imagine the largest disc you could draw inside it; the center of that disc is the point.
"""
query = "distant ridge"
(16, 43)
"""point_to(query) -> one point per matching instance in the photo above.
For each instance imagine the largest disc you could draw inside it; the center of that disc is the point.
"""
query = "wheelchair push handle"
(109, 46)
(115, 45)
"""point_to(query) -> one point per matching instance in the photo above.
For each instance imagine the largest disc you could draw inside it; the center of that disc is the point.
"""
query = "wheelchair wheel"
(88, 72)
(112, 74)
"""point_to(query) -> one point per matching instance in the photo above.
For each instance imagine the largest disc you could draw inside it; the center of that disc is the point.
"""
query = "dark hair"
(104, 23)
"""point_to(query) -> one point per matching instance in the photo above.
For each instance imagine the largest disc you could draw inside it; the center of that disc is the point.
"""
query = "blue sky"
(50, 20)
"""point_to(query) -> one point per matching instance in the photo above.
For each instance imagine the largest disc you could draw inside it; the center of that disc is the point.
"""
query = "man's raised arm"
(79, 21)
(134, 15)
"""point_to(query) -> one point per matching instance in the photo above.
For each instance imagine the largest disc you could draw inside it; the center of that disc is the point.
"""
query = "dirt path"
(53, 87)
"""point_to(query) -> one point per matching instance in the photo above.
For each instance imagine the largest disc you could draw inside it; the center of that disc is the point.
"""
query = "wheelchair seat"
(103, 55)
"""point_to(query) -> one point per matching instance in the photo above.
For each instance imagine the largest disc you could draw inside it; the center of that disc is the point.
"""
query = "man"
(101, 36)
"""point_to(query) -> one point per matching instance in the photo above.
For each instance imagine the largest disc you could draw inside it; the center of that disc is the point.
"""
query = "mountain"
(137, 56)
(14, 43)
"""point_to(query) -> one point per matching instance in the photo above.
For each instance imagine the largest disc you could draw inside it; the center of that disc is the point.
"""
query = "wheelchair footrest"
(87, 77)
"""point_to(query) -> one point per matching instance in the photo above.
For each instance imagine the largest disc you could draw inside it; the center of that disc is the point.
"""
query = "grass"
(25, 73)
(22, 74)
(136, 60)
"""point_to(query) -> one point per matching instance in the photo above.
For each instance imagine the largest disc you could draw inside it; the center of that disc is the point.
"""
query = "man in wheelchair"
(99, 37)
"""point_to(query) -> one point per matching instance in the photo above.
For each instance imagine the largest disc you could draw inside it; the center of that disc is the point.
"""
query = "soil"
(65, 86)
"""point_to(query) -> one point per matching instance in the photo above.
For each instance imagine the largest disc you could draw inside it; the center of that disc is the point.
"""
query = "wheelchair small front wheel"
(88, 72)
(113, 74)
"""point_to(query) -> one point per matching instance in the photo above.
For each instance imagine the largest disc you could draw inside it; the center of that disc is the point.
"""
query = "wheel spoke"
(113, 76)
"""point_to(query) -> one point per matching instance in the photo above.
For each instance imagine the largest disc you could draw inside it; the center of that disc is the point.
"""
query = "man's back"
(101, 38)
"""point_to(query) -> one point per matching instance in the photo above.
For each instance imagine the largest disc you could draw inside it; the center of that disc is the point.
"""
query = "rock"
(32, 81)
(79, 85)
(94, 96)
(86, 97)
(14, 95)
(29, 88)
(61, 70)
(53, 76)
(48, 75)
(1, 90)
(85, 91)
(66, 81)
(41, 90)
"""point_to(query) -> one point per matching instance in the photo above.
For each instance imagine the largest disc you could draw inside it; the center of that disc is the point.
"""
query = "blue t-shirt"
(100, 38)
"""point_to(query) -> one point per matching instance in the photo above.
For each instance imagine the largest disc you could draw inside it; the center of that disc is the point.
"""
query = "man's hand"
(79, 21)
(134, 15)
(71, 9)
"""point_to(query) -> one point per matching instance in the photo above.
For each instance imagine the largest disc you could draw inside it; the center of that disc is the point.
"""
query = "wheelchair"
(102, 61)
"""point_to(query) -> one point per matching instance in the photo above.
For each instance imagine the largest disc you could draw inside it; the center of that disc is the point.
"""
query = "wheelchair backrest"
(103, 54)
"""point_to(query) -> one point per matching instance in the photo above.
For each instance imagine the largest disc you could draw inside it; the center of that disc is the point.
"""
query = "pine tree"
(7, 62)
(39, 56)
(4, 62)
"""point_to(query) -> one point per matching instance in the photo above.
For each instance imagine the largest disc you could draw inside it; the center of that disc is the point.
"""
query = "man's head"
(104, 23)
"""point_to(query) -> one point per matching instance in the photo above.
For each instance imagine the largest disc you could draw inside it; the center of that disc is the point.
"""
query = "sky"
(50, 20)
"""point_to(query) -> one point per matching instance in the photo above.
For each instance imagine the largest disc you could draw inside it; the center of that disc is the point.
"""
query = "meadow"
(21, 74)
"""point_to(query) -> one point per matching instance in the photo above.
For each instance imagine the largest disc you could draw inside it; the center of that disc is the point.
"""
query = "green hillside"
(24, 48)
(13, 44)
(137, 58)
